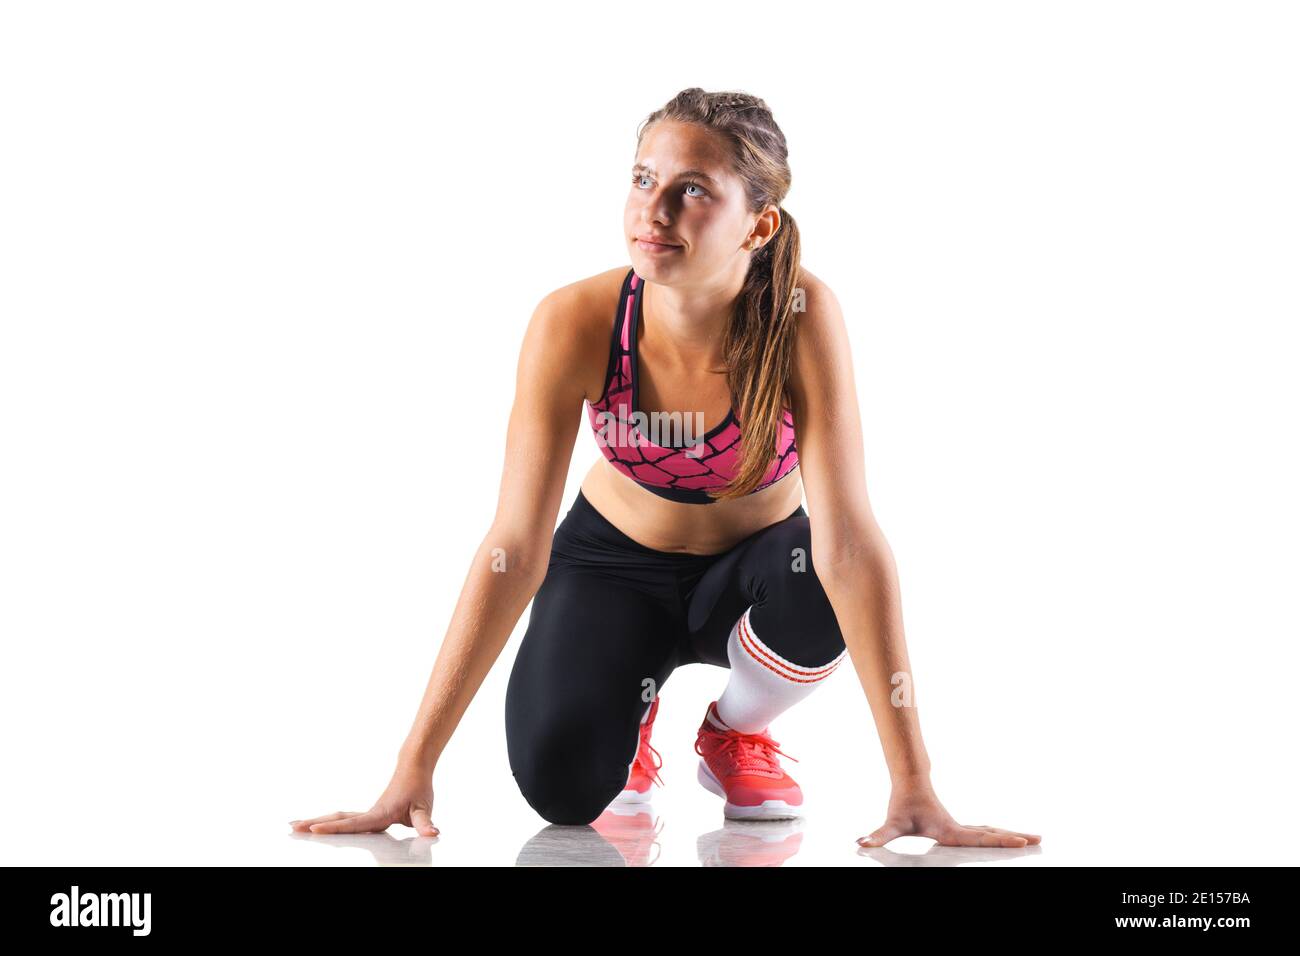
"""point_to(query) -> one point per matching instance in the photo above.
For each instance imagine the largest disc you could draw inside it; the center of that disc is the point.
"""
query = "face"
(685, 194)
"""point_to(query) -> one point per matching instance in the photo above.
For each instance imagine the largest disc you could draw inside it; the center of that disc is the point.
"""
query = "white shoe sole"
(634, 796)
(767, 810)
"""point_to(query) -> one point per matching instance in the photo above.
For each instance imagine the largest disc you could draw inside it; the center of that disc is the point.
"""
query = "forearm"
(503, 577)
(864, 591)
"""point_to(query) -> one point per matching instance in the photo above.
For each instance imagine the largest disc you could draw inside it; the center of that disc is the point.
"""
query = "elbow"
(526, 556)
(536, 565)
(849, 558)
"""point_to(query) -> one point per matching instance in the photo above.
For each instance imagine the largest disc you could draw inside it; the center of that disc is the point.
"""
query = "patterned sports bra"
(680, 470)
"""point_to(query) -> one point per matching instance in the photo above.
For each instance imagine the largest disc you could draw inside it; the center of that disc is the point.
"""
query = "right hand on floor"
(408, 800)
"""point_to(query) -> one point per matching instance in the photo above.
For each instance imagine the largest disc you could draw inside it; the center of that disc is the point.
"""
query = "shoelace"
(643, 752)
(751, 753)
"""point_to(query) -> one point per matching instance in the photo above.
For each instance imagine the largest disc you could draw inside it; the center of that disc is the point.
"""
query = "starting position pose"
(687, 542)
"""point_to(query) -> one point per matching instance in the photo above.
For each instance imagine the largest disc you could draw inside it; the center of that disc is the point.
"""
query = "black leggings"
(611, 622)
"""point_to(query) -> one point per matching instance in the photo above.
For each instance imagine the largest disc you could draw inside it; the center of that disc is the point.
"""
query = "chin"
(653, 268)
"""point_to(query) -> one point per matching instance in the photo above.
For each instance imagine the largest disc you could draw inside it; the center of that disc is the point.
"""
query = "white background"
(264, 273)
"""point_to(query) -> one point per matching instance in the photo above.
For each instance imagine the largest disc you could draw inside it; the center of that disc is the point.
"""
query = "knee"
(565, 777)
(566, 803)
(793, 611)
(788, 547)
(788, 577)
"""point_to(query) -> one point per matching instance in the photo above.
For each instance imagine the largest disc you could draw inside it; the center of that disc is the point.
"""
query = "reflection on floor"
(630, 835)
(626, 835)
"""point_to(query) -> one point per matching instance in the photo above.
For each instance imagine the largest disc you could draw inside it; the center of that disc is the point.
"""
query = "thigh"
(772, 571)
(595, 653)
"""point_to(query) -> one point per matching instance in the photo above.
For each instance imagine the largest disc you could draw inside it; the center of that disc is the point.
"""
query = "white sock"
(763, 684)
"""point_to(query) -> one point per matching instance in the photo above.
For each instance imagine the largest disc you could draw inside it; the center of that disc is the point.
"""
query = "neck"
(686, 323)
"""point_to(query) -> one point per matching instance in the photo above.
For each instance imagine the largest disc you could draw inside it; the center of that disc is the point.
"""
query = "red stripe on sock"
(749, 642)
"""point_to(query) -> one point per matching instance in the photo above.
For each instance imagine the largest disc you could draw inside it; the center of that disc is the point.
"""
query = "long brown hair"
(759, 341)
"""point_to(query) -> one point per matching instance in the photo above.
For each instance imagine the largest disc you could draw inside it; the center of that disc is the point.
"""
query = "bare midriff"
(687, 528)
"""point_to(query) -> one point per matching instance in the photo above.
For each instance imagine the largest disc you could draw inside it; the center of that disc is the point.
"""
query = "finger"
(973, 836)
(420, 820)
(1030, 837)
(348, 823)
(304, 824)
(881, 836)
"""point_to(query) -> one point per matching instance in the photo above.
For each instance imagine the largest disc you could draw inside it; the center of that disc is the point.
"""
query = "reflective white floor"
(223, 794)
(484, 820)
(642, 837)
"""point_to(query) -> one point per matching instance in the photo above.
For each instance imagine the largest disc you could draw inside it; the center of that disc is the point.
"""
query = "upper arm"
(544, 418)
(829, 430)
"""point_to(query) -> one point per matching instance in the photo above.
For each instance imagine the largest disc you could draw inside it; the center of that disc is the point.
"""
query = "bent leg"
(762, 612)
(772, 572)
(595, 653)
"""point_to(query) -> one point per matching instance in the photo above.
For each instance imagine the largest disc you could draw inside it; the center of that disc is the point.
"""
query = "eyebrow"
(697, 173)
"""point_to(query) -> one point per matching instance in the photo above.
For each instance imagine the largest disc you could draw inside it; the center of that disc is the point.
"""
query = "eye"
(700, 193)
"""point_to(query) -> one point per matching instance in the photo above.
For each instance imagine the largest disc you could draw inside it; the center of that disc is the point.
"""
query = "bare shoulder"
(588, 300)
(821, 347)
(818, 301)
(577, 321)
(820, 321)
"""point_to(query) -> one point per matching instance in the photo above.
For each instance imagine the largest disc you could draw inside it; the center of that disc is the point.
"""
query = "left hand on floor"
(915, 810)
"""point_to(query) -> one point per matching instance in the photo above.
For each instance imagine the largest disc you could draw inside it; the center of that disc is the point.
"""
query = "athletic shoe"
(743, 770)
(643, 773)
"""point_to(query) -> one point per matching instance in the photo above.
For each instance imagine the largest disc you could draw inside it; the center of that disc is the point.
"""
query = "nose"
(654, 212)
(655, 209)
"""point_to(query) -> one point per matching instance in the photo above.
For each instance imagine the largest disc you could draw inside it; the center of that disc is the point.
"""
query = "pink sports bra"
(678, 470)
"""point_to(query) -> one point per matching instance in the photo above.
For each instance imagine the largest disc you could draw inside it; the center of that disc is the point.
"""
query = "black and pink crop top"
(678, 470)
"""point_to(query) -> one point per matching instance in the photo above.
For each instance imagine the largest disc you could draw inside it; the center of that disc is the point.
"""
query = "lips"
(660, 243)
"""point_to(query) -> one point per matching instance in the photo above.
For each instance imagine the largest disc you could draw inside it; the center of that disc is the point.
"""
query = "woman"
(685, 544)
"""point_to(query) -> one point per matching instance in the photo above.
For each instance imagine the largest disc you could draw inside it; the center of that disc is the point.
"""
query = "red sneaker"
(743, 770)
(644, 770)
